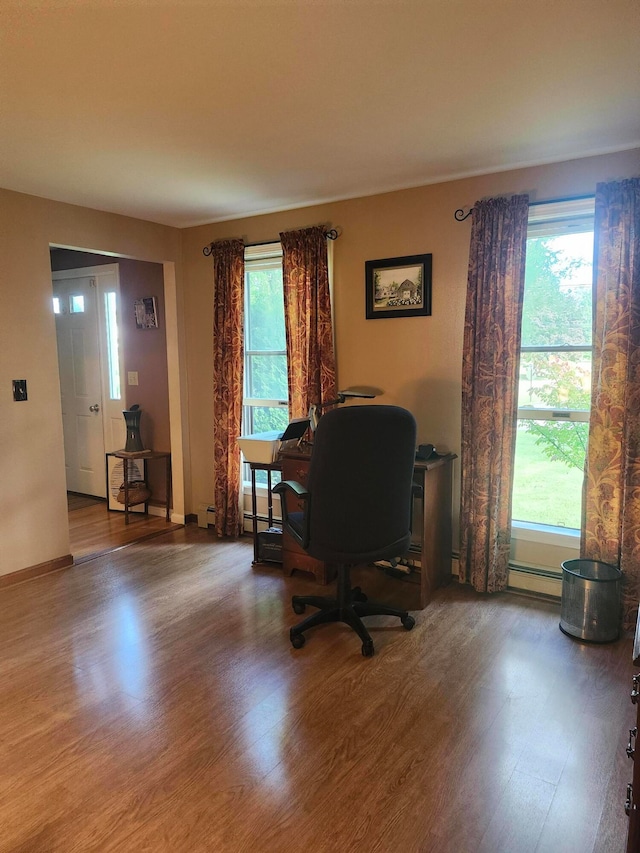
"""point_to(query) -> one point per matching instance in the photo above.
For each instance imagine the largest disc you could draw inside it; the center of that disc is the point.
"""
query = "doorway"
(90, 360)
(138, 363)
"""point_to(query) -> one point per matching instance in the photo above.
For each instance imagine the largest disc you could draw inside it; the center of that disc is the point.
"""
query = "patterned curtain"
(611, 527)
(307, 311)
(495, 289)
(228, 362)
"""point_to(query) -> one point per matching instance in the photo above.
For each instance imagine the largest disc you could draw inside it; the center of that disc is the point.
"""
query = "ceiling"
(191, 111)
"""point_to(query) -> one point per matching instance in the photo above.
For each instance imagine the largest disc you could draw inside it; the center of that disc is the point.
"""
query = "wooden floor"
(93, 529)
(151, 701)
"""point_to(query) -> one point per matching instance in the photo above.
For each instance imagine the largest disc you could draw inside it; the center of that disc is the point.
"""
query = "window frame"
(262, 256)
(535, 544)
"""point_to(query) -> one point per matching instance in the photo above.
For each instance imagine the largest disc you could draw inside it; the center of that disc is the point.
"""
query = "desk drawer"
(295, 469)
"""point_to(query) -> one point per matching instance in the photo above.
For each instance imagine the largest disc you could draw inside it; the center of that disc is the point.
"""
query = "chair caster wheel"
(408, 622)
(298, 608)
(367, 649)
(358, 595)
(297, 640)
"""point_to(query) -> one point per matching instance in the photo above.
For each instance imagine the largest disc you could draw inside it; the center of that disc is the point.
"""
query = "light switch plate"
(132, 377)
(19, 390)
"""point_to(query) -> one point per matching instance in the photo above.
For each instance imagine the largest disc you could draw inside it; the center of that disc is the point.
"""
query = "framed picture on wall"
(398, 287)
(146, 313)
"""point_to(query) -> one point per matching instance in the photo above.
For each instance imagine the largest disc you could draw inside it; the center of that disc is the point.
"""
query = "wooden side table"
(145, 455)
(269, 467)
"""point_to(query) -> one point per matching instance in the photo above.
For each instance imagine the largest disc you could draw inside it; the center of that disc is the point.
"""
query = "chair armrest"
(291, 485)
(300, 532)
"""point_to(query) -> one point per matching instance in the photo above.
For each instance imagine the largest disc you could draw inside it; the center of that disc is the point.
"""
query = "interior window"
(555, 365)
(113, 359)
(266, 396)
(76, 303)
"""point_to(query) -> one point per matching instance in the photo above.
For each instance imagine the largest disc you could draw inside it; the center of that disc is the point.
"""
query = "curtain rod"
(331, 234)
(460, 215)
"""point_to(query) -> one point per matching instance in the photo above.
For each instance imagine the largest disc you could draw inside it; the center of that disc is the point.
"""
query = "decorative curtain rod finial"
(460, 215)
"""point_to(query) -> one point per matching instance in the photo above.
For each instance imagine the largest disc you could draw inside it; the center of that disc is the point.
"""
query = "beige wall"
(417, 361)
(33, 510)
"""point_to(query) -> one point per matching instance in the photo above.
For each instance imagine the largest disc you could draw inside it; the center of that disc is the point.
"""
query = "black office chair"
(356, 508)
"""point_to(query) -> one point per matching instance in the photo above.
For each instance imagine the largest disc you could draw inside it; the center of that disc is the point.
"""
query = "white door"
(89, 363)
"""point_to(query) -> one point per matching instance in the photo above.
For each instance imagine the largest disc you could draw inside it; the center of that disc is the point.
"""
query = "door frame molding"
(177, 380)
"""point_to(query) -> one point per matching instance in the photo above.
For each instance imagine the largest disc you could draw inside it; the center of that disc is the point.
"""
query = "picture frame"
(146, 313)
(398, 287)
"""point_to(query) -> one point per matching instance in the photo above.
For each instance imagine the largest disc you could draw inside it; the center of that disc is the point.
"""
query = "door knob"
(94, 408)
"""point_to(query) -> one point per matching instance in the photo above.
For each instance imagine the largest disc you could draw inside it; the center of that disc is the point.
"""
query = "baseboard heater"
(206, 515)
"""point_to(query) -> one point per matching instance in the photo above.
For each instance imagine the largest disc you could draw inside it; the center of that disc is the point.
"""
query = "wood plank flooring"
(93, 529)
(151, 701)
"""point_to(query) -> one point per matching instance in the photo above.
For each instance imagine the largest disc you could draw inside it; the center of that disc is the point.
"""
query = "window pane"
(266, 377)
(549, 465)
(261, 477)
(265, 362)
(112, 345)
(265, 306)
(56, 305)
(266, 418)
(77, 304)
(558, 380)
(558, 285)
(557, 313)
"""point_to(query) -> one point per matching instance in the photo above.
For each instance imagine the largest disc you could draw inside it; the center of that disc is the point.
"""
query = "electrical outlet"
(19, 390)
(132, 377)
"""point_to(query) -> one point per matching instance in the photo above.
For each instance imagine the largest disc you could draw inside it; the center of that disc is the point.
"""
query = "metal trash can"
(590, 600)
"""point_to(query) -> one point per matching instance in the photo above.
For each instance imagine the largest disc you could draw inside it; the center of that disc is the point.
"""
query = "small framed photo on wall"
(146, 313)
(398, 287)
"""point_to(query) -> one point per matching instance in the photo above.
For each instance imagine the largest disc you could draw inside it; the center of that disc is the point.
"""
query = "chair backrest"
(360, 478)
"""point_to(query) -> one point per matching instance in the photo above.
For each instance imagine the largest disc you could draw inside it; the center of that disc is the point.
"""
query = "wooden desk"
(295, 466)
(431, 542)
(145, 455)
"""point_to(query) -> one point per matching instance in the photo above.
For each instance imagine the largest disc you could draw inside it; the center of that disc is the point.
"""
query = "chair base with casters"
(349, 606)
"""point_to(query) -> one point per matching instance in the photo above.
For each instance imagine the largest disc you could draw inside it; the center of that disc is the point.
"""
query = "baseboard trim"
(13, 578)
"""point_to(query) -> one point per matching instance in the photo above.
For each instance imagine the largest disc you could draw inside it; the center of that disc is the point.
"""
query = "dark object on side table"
(270, 545)
(132, 421)
(356, 508)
